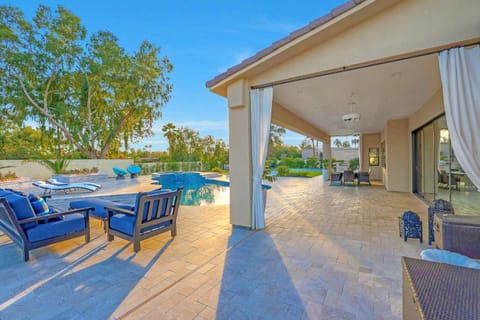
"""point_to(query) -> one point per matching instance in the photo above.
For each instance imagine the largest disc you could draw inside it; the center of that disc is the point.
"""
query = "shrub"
(172, 166)
(283, 171)
(354, 163)
(312, 163)
(292, 162)
(305, 174)
(216, 169)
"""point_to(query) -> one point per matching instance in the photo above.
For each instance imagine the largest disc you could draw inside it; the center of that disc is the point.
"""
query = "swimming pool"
(197, 190)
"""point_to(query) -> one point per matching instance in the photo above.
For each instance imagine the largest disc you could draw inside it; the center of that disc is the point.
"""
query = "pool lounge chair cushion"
(48, 187)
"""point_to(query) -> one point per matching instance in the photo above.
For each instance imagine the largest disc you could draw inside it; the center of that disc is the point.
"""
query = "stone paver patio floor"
(327, 253)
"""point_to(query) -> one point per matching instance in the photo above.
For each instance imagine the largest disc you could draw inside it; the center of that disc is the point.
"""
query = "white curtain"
(261, 114)
(460, 73)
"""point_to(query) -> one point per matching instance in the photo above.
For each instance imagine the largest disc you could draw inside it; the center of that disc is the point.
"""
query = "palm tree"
(169, 132)
(337, 143)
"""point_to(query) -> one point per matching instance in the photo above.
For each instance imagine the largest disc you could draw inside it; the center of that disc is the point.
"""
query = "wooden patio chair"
(31, 231)
(154, 213)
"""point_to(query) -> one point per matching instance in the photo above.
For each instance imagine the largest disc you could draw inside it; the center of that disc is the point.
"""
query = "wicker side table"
(439, 291)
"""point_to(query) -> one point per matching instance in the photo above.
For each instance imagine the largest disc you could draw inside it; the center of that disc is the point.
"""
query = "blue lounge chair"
(31, 229)
(119, 172)
(49, 188)
(134, 171)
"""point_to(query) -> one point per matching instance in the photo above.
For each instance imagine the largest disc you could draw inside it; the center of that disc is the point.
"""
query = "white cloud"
(237, 57)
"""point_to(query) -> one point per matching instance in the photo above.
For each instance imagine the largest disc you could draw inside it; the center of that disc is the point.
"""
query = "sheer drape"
(460, 73)
(261, 113)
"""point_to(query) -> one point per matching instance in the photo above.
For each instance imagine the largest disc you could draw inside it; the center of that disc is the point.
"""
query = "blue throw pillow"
(39, 205)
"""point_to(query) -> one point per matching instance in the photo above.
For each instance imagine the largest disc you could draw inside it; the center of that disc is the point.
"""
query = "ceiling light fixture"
(351, 117)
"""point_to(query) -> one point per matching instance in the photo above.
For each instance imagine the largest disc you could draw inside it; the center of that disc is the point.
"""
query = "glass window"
(438, 174)
(373, 158)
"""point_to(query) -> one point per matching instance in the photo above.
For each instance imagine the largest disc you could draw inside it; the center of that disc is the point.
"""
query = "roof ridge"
(285, 40)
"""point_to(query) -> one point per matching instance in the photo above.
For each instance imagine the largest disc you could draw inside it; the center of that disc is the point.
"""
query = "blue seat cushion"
(125, 223)
(99, 206)
(70, 223)
(21, 207)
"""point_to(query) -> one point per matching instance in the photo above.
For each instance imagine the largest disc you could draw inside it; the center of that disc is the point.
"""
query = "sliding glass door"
(437, 173)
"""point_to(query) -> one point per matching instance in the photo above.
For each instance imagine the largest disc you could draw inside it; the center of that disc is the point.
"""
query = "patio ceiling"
(383, 92)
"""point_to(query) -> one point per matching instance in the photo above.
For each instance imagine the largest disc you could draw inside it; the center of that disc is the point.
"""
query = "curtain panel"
(460, 74)
(261, 114)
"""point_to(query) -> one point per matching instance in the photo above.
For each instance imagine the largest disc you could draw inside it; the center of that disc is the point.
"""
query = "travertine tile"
(327, 253)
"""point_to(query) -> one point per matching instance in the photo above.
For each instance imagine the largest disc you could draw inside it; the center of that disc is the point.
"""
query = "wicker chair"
(437, 206)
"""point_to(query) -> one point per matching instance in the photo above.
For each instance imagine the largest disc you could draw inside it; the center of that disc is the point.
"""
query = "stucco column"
(327, 154)
(240, 154)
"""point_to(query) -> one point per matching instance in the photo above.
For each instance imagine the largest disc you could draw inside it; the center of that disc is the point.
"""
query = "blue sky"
(201, 39)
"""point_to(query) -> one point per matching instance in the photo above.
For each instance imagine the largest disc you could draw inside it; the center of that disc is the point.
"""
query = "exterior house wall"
(240, 154)
(406, 26)
(398, 156)
(429, 111)
(371, 141)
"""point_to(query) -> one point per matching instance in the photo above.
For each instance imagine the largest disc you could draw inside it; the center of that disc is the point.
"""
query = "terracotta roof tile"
(279, 43)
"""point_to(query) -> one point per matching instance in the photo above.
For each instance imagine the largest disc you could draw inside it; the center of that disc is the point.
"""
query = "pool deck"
(327, 253)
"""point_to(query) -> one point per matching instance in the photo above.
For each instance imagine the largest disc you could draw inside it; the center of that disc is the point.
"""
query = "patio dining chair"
(335, 177)
(363, 176)
(348, 176)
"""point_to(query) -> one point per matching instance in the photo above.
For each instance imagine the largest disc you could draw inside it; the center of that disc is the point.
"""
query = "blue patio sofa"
(29, 230)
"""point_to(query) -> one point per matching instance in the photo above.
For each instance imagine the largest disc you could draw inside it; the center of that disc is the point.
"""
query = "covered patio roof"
(378, 55)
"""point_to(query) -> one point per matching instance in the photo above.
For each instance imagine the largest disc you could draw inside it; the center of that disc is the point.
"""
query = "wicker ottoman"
(458, 233)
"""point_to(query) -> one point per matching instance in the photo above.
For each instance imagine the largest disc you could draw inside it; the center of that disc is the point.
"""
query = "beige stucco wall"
(37, 171)
(429, 111)
(371, 141)
(240, 155)
(398, 156)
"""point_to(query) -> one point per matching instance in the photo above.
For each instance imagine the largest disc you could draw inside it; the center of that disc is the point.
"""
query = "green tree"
(95, 96)
(346, 144)
(275, 139)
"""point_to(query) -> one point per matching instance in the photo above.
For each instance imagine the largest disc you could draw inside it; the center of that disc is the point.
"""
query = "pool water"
(305, 169)
(197, 190)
